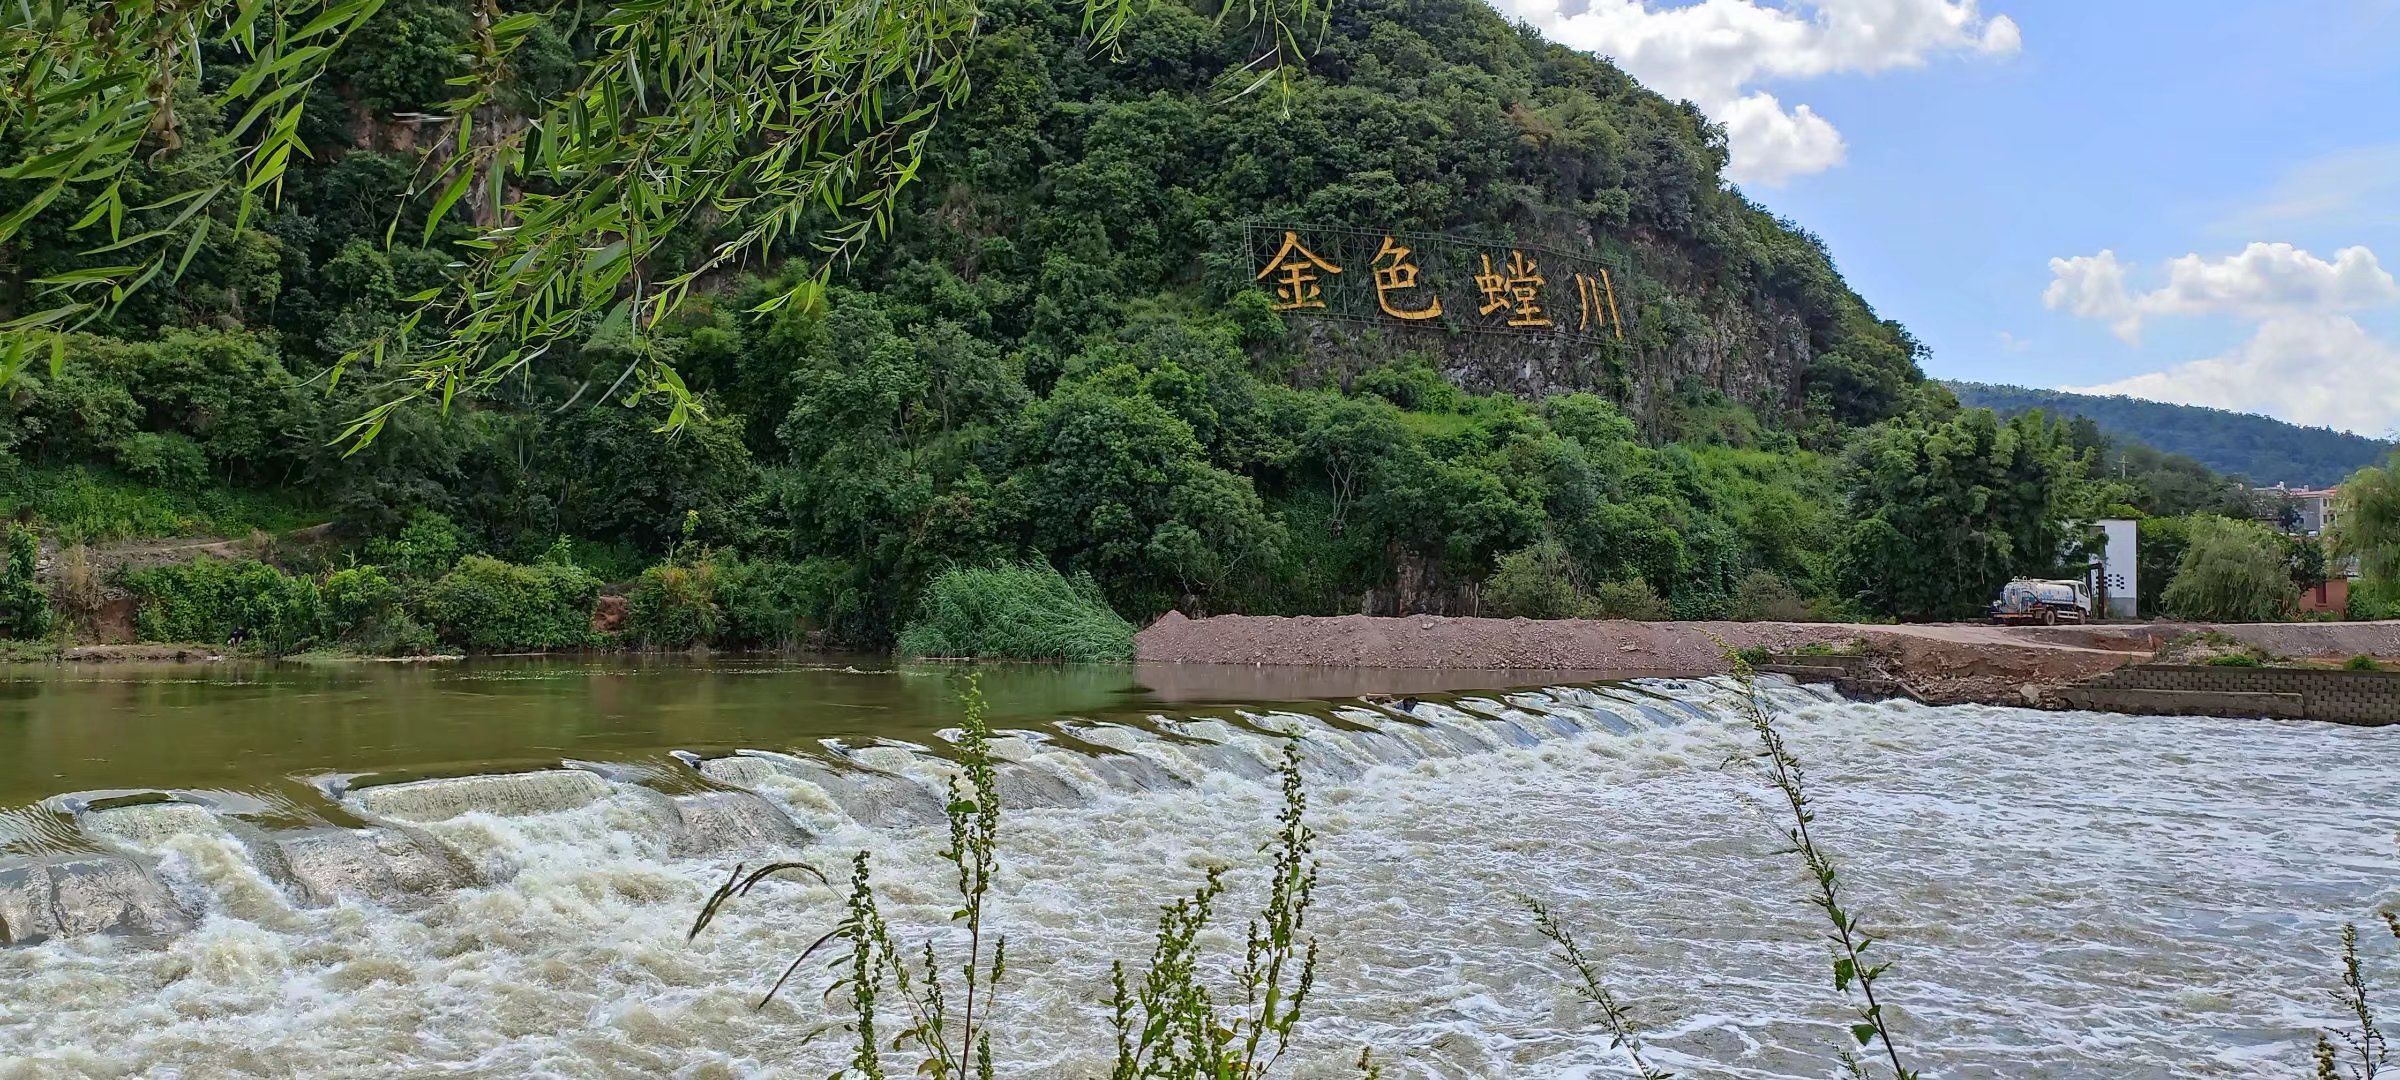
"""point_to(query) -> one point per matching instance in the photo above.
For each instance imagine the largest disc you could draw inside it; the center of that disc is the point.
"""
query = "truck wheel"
(2049, 616)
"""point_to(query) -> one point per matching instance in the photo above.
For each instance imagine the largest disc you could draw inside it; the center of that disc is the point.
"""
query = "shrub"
(775, 604)
(1764, 597)
(1016, 611)
(490, 605)
(1538, 582)
(675, 606)
(427, 547)
(24, 609)
(2362, 662)
(245, 603)
(359, 594)
(1632, 598)
(2233, 571)
(364, 607)
(171, 460)
(2236, 660)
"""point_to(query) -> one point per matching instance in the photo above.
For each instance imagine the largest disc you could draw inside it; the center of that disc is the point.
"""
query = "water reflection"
(276, 729)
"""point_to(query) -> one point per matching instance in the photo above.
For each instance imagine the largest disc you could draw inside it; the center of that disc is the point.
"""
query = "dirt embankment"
(1946, 663)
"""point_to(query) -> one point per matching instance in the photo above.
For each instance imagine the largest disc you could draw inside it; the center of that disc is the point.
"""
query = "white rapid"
(2066, 895)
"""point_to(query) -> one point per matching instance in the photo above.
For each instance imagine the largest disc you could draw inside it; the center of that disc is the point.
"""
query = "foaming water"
(2064, 895)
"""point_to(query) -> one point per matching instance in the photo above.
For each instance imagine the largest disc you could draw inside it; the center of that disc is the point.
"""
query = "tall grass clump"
(1016, 611)
(921, 1009)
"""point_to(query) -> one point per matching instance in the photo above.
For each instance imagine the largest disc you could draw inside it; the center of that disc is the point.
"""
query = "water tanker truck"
(2032, 600)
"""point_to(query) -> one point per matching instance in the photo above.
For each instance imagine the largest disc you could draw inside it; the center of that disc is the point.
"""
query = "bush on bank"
(1016, 611)
(244, 602)
(492, 606)
(24, 608)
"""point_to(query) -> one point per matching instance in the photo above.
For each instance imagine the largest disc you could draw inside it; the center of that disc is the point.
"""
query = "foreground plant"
(1172, 1027)
(1853, 972)
(693, 137)
(2363, 1051)
(1622, 1035)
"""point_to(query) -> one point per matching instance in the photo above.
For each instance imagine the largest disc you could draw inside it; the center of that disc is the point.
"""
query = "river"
(293, 881)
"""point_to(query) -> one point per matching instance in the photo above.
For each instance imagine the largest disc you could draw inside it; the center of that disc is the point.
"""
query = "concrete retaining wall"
(2349, 697)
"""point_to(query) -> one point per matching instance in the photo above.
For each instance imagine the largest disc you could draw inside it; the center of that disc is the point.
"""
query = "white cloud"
(2010, 342)
(2263, 281)
(1716, 53)
(2309, 369)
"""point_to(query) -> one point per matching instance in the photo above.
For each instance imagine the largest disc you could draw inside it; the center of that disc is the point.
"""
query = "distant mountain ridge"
(2262, 449)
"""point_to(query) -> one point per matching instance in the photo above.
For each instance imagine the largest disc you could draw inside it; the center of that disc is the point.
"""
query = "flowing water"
(488, 870)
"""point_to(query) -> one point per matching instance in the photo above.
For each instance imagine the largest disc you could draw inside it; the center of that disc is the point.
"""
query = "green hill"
(1073, 348)
(2261, 449)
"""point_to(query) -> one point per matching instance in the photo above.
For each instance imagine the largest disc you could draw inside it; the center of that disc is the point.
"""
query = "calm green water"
(278, 731)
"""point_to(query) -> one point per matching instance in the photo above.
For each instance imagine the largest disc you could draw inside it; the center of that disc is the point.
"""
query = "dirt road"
(1953, 662)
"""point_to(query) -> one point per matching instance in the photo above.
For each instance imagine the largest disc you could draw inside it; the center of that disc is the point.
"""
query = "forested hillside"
(2261, 449)
(1059, 357)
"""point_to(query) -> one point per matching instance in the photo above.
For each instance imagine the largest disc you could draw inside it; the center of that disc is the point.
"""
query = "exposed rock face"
(1754, 350)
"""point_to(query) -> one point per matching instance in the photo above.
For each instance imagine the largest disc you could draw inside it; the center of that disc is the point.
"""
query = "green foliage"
(1539, 582)
(359, 594)
(1016, 611)
(366, 610)
(2367, 523)
(2232, 571)
(1116, 485)
(1046, 354)
(1949, 508)
(774, 605)
(675, 606)
(2362, 662)
(427, 547)
(2161, 543)
(1172, 1026)
(243, 603)
(1630, 599)
(1764, 597)
(488, 605)
(24, 607)
(168, 460)
(85, 505)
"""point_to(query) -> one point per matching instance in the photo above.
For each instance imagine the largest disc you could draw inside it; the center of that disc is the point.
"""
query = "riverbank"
(1949, 663)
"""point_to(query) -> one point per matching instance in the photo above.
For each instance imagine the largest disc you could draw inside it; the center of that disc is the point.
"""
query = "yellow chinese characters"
(1518, 289)
(1297, 270)
(1396, 271)
(1589, 294)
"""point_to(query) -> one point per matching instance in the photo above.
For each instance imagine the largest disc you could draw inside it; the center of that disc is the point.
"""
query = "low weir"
(2077, 895)
(96, 864)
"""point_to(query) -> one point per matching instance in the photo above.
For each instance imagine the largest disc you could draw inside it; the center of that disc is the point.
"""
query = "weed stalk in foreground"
(2364, 1042)
(1851, 942)
(1171, 1027)
(1622, 1035)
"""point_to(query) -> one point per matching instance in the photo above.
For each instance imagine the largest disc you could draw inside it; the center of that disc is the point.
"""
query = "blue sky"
(1969, 164)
